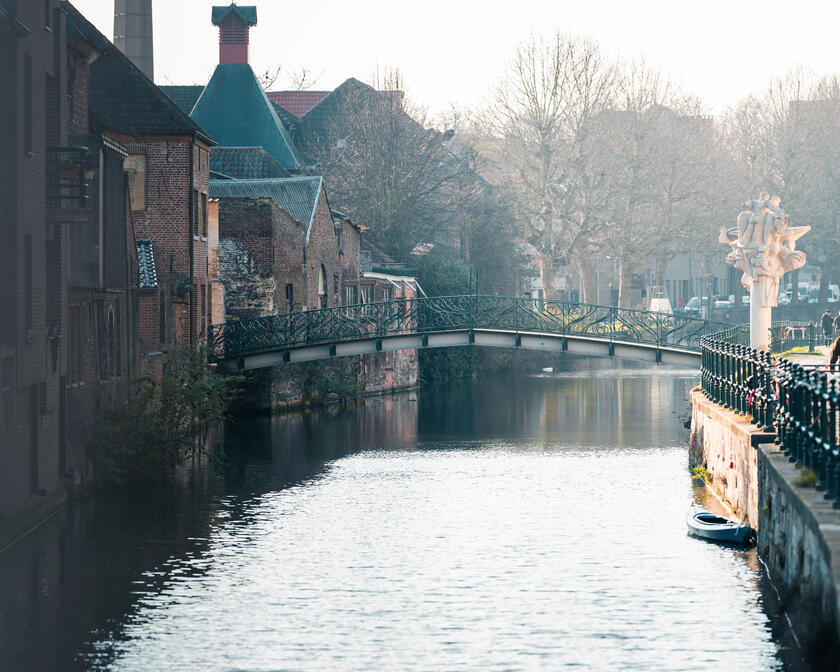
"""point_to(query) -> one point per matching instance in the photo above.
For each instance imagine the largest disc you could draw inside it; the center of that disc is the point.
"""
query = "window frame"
(132, 181)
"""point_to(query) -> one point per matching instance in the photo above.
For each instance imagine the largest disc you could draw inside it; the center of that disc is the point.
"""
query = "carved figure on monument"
(763, 246)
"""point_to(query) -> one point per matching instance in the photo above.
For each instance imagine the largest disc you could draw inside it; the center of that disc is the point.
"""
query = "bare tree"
(543, 115)
(385, 166)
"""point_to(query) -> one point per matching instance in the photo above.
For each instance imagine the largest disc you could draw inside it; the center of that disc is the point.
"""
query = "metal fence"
(800, 403)
(447, 313)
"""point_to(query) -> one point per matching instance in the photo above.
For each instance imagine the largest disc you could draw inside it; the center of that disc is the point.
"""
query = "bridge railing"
(799, 402)
(447, 313)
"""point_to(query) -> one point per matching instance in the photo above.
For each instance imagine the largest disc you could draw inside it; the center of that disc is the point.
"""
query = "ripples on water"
(522, 523)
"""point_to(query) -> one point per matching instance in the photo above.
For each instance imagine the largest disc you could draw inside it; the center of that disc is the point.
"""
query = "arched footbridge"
(445, 321)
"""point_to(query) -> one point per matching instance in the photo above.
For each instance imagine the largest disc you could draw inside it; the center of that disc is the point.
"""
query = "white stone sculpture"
(763, 247)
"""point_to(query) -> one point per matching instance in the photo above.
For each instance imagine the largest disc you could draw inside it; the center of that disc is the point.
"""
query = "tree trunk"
(659, 271)
(590, 290)
(825, 279)
(624, 280)
(547, 273)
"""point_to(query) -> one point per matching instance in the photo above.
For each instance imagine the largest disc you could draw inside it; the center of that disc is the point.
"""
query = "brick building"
(278, 246)
(103, 202)
(71, 273)
(34, 225)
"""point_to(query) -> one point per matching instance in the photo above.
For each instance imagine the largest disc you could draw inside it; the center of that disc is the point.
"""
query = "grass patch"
(805, 479)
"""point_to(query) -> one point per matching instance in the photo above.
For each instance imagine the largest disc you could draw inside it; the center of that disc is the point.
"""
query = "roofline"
(321, 187)
(195, 131)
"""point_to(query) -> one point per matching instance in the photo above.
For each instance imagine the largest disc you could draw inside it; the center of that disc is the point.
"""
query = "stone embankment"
(798, 530)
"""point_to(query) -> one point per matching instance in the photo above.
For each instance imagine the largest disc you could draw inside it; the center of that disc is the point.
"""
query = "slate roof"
(289, 120)
(235, 111)
(122, 97)
(297, 103)
(247, 14)
(296, 195)
(184, 96)
(245, 163)
(146, 257)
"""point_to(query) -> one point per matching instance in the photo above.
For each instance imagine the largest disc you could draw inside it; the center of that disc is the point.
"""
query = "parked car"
(694, 304)
(745, 299)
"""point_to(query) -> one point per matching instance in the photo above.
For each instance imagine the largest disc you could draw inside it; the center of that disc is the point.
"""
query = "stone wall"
(723, 442)
(799, 541)
(798, 530)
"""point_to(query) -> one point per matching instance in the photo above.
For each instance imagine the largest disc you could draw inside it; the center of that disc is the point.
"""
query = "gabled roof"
(235, 111)
(146, 258)
(296, 195)
(247, 14)
(122, 97)
(184, 96)
(289, 120)
(245, 163)
(297, 103)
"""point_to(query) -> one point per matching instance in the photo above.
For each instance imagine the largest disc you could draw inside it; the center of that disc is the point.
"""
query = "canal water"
(531, 521)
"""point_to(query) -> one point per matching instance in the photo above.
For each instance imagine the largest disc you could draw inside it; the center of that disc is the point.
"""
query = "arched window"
(322, 287)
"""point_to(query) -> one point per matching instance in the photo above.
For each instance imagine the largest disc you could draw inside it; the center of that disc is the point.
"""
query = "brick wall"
(171, 201)
(322, 249)
(29, 441)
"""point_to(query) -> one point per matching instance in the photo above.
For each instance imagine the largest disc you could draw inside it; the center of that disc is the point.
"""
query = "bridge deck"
(343, 331)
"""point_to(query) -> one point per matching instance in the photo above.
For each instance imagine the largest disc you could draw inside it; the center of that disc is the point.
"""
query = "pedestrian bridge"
(445, 321)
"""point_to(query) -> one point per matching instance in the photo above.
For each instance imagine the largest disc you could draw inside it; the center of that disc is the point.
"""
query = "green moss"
(805, 479)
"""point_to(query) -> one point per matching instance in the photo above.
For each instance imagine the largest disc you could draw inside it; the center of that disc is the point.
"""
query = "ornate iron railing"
(800, 403)
(449, 313)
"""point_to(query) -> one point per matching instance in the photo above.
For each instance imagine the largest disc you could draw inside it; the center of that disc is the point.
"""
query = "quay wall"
(798, 530)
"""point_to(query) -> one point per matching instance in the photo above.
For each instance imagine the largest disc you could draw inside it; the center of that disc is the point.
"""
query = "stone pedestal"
(760, 320)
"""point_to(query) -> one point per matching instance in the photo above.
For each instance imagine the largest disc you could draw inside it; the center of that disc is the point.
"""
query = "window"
(203, 214)
(322, 288)
(290, 297)
(135, 166)
(202, 307)
(162, 317)
(28, 109)
(77, 325)
(351, 295)
(367, 294)
(7, 392)
(27, 279)
(196, 215)
(386, 294)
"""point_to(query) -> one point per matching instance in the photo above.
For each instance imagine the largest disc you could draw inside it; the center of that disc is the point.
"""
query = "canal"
(522, 522)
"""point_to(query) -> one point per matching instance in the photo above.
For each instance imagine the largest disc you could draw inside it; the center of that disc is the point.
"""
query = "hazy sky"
(452, 51)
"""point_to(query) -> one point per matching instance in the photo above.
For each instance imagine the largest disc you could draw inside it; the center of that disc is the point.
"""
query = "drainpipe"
(191, 233)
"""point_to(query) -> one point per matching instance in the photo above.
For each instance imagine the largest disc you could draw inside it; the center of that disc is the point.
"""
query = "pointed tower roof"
(234, 110)
(248, 15)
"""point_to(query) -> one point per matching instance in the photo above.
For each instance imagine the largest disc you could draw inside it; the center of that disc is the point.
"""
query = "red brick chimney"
(234, 23)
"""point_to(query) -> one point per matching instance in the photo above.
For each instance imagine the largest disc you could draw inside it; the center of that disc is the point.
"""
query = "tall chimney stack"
(234, 22)
(133, 33)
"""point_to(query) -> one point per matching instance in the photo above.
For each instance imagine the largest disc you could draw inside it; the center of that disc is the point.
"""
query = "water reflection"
(521, 522)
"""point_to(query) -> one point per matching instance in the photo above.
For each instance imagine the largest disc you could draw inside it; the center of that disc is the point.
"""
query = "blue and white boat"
(703, 523)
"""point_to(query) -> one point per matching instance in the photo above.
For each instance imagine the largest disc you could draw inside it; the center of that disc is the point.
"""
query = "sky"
(453, 52)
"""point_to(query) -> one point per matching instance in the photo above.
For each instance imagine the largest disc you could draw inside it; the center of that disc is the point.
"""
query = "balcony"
(68, 177)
